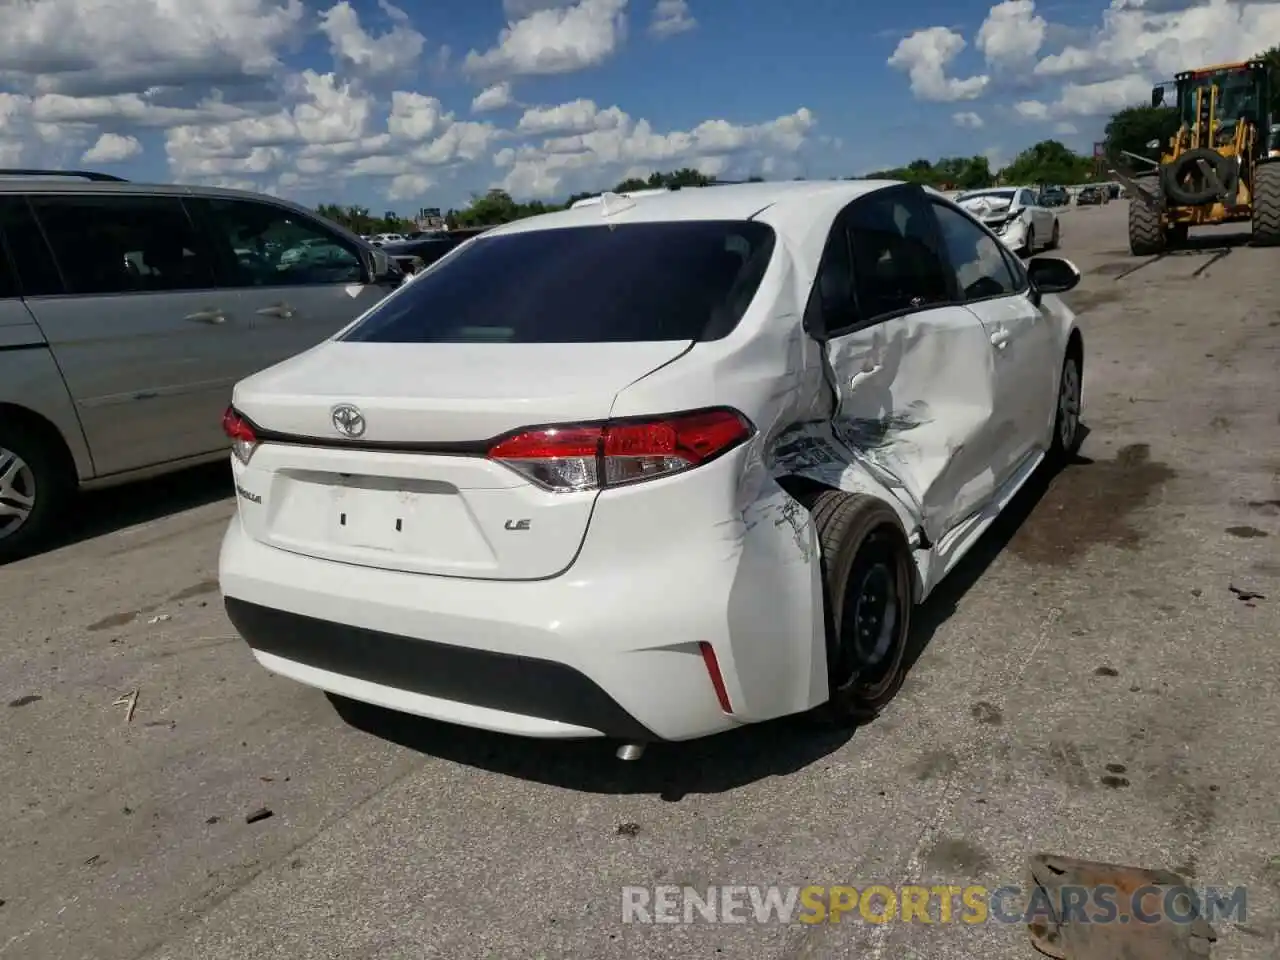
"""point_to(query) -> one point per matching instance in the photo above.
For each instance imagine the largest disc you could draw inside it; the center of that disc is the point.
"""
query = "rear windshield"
(688, 280)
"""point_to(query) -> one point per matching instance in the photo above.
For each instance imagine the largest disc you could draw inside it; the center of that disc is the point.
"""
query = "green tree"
(959, 173)
(1048, 161)
(1133, 128)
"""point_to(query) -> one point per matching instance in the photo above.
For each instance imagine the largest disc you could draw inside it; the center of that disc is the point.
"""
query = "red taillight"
(611, 454)
(243, 440)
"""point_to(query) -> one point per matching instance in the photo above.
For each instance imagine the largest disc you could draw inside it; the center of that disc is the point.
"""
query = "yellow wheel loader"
(1220, 167)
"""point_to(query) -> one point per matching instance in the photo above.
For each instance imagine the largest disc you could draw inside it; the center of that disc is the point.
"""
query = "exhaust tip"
(630, 751)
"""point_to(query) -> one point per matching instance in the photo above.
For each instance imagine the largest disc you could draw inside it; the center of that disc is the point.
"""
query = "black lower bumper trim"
(526, 686)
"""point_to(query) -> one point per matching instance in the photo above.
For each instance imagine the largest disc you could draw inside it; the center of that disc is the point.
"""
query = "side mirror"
(383, 269)
(1053, 274)
(1157, 96)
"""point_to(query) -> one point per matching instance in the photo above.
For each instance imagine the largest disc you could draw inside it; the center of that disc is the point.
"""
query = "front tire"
(1030, 242)
(868, 578)
(1147, 237)
(1067, 432)
(34, 490)
(1056, 237)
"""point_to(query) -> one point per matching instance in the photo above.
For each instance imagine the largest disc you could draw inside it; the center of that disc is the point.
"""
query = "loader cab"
(1243, 94)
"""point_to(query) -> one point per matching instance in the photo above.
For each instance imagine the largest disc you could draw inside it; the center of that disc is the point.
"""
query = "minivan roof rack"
(83, 174)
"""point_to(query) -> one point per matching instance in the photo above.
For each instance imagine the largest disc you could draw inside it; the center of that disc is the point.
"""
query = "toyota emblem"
(348, 420)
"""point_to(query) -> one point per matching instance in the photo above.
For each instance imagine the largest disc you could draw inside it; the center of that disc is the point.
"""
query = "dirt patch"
(934, 765)
(987, 713)
(1246, 533)
(1091, 504)
(1115, 268)
(1082, 300)
(195, 590)
(953, 856)
(113, 621)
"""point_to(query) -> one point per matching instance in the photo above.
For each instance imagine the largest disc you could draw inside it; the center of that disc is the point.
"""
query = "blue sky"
(363, 101)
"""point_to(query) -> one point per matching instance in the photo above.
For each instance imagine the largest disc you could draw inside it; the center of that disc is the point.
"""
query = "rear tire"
(868, 578)
(1146, 234)
(1266, 205)
(35, 488)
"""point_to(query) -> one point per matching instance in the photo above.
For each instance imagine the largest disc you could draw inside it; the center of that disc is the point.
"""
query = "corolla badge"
(347, 420)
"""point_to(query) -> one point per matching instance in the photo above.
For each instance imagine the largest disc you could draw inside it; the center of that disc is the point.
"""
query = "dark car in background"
(1091, 197)
(1054, 197)
(421, 252)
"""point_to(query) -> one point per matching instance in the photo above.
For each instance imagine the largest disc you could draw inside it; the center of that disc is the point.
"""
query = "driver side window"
(981, 269)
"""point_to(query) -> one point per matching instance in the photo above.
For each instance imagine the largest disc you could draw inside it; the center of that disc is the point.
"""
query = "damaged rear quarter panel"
(906, 423)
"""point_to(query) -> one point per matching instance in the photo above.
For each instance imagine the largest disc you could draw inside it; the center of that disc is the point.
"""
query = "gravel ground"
(1095, 630)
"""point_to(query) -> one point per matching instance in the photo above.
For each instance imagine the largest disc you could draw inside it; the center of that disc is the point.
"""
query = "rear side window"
(124, 244)
(36, 273)
(681, 280)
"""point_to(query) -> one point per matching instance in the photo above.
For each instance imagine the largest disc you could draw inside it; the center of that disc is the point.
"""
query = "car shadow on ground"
(714, 764)
(100, 512)
(945, 599)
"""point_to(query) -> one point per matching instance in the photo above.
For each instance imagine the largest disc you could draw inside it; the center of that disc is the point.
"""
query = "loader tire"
(1266, 205)
(1146, 234)
(868, 581)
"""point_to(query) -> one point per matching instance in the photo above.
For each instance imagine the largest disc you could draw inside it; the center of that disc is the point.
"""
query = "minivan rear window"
(676, 280)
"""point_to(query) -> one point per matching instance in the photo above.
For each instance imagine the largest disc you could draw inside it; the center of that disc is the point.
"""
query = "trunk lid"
(415, 492)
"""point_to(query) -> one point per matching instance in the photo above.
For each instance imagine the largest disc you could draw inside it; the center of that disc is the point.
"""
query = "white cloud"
(968, 119)
(112, 148)
(414, 116)
(1032, 110)
(1065, 129)
(1103, 97)
(129, 108)
(1012, 34)
(577, 116)
(409, 186)
(925, 55)
(1157, 38)
(555, 40)
(91, 47)
(496, 97)
(393, 51)
(518, 9)
(671, 17)
(603, 155)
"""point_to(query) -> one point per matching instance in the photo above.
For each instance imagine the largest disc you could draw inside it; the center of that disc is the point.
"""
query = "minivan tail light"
(243, 440)
(596, 456)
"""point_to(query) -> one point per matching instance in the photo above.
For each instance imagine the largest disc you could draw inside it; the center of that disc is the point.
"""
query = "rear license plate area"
(374, 519)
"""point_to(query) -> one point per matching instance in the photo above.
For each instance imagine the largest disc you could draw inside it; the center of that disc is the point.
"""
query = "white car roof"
(801, 211)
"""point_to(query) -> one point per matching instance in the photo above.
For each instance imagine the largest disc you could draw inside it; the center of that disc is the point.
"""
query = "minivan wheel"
(33, 490)
(868, 578)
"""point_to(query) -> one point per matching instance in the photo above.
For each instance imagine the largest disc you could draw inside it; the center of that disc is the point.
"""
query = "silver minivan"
(128, 312)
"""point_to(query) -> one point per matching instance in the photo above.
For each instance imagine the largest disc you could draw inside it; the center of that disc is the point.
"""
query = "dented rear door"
(913, 371)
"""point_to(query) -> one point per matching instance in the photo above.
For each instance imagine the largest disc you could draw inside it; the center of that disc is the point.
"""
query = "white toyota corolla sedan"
(1016, 216)
(649, 468)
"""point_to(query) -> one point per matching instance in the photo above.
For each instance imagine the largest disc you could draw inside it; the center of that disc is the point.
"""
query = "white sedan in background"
(1015, 215)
